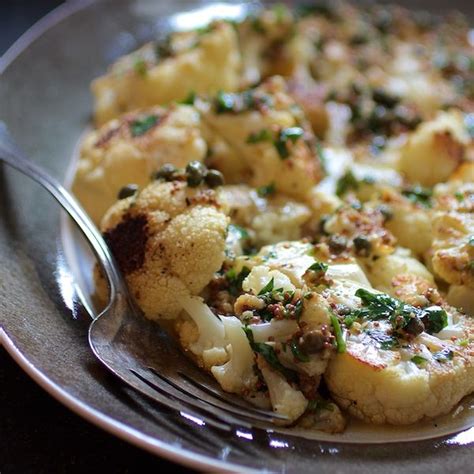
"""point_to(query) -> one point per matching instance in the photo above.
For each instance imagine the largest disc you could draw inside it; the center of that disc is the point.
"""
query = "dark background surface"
(38, 434)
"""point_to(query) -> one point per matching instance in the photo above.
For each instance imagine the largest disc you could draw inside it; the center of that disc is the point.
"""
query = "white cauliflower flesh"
(268, 133)
(453, 234)
(209, 339)
(399, 376)
(237, 375)
(435, 149)
(271, 218)
(285, 399)
(129, 149)
(168, 240)
(203, 63)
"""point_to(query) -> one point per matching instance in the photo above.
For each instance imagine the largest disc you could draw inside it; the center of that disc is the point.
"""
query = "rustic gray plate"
(45, 100)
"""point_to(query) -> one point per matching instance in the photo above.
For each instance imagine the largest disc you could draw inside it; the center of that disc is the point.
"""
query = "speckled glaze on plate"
(45, 100)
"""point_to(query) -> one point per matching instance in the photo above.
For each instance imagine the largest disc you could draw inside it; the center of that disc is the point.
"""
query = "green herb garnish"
(141, 126)
(317, 405)
(346, 183)
(268, 288)
(418, 360)
(287, 134)
(261, 136)
(318, 267)
(189, 99)
(225, 102)
(378, 306)
(322, 157)
(419, 195)
(297, 353)
(269, 354)
(436, 318)
(265, 191)
(235, 280)
(340, 342)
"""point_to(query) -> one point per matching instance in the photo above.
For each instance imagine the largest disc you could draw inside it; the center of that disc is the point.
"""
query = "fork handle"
(12, 155)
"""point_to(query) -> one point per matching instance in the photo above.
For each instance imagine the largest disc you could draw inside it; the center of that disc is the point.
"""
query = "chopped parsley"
(296, 351)
(418, 360)
(263, 135)
(267, 190)
(318, 405)
(322, 157)
(270, 356)
(287, 134)
(419, 195)
(340, 342)
(402, 316)
(346, 183)
(141, 126)
(318, 267)
(235, 280)
(189, 99)
(236, 102)
(268, 288)
(225, 102)
(436, 318)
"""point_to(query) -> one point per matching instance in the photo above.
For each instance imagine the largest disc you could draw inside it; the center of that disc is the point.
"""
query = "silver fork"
(138, 351)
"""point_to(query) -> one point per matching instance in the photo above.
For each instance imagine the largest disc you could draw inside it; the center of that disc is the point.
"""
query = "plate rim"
(97, 418)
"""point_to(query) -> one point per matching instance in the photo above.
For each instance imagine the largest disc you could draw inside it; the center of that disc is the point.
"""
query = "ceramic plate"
(45, 100)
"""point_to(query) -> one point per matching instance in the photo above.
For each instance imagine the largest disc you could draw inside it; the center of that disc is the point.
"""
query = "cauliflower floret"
(453, 234)
(379, 386)
(261, 276)
(410, 224)
(285, 399)
(271, 219)
(364, 227)
(435, 149)
(168, 241)
(268, 133)
(128, 149)
(237, 375)
(385, 377)
(461, 297)
(381, 272)
(276, 329)
(206, 338)
(203, 63)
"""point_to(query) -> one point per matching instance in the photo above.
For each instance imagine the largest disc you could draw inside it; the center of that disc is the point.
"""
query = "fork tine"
(163, 384)
(118, 366)
(209, 398)
(228, 402)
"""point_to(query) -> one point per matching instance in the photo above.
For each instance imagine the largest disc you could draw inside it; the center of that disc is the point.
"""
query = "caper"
(196, 172)
(214, 178)
(337, 243)
(414, 327)
(362, 245)
(165, 172)
(127, 191)
(312, 342)
(384, 98)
